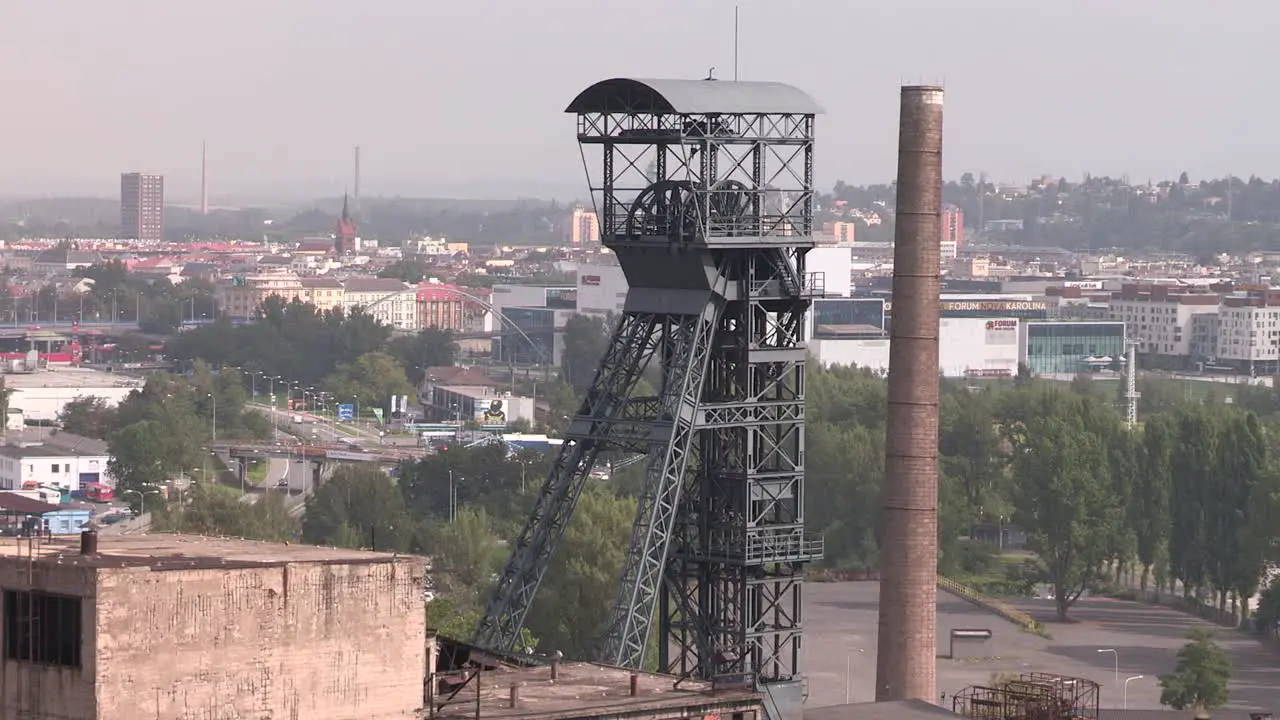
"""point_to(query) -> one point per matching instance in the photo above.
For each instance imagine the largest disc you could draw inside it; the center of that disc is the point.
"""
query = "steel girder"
(607, 402)
(732, 587)
(687, 343)
(718, 543)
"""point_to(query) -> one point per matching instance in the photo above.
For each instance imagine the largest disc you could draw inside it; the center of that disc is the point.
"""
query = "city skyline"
(1056, 90)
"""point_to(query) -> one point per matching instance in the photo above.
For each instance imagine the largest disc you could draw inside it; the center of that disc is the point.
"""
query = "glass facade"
(847, 312)
(539, 324)
(1068, 348)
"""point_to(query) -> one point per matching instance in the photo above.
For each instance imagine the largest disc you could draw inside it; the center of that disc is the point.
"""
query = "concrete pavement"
(840, 648)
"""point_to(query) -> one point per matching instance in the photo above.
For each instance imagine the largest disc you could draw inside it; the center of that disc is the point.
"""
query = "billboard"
(563, 298)
(1002, 332)
(346, 412)
(994, 306)
(495, 413)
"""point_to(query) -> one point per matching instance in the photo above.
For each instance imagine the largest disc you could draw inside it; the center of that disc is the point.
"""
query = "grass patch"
(256, 473)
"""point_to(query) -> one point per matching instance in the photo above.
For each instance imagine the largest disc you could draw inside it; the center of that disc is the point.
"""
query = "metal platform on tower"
(704, 190)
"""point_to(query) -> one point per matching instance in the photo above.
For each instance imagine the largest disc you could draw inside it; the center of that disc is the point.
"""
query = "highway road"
(320, 430)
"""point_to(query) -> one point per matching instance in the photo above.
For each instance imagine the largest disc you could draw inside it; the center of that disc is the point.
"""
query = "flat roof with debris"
(66, 377)
(165, 551)
(588, 690)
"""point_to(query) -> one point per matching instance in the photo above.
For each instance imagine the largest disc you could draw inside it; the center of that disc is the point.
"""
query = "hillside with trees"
(1197, 217)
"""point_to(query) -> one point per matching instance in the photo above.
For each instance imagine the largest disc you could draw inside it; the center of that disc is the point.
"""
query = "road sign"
(346, 413)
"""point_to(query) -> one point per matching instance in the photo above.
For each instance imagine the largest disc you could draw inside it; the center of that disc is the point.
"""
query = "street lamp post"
(1116, 656)
(453, 497)
(214, 398)
(1126, 689)
(142, 498)
(271, 389)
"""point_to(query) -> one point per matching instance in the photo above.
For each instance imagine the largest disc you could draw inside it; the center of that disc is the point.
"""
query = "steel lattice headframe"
(704, 191)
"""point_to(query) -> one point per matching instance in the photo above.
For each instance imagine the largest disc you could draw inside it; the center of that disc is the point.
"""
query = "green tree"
(292, 340)
(209, 509)
(143, 453)
(1192, 482)
(432, 347)
(487, 477)
(577, 595)
(455, 613)
(1064, 500)
(5, 394)
(1268, 614)
(586, 337)
(1148, 514)
(89, 416)
(1237, 558)
(970, 449)
(1200, 679)
(372, 378)
(465, 548)
(844, 504)
(359, 507)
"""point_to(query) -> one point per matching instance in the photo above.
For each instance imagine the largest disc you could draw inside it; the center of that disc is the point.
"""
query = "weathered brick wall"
(296, 642)
(48, 692)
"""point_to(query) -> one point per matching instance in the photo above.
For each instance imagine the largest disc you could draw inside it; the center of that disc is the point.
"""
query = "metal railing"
(1002, 609)
(766, 546)
(813, 284)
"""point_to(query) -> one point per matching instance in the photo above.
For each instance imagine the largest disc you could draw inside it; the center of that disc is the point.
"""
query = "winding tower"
(704, 190)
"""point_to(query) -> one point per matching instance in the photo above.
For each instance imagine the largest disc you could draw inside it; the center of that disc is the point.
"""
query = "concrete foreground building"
(185, 627)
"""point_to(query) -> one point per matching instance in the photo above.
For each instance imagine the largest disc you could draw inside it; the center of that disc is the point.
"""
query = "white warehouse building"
(42, 395)
(967, 347)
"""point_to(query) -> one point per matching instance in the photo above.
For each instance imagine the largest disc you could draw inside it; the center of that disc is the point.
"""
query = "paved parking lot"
(840, 647)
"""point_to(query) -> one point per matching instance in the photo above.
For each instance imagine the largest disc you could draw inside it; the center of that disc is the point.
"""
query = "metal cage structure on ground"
(1031, 696)
(704, 190)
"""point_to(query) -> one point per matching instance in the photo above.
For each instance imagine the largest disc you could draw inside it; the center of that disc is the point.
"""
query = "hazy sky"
(449, 97)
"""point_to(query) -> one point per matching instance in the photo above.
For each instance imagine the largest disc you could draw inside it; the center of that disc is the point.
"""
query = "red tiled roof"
(438, 292)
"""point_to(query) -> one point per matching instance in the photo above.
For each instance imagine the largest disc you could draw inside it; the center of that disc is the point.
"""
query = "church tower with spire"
(344, 236)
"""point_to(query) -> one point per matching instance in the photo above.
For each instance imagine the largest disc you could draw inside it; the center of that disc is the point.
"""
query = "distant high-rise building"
(844, 232)
(952, 225)
(584, 227)
(142, 207)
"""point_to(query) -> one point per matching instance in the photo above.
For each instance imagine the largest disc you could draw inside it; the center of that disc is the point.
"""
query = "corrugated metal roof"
(694, 97)
(22, 505)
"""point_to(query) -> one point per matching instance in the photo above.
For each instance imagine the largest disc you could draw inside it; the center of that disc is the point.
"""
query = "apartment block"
(1249, 331)
(584, 227)
(142, 207)
(324, 292)
(239, 297)
(1160, 317)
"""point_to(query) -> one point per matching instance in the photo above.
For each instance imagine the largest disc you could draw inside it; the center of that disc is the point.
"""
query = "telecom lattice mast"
(704, 191)
(1131, 394)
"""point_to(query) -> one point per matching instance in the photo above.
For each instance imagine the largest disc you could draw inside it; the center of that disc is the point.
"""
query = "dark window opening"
(43, 628)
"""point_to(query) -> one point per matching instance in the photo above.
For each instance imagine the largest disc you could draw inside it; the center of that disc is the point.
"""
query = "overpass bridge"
(321, 458)
(320, 452)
